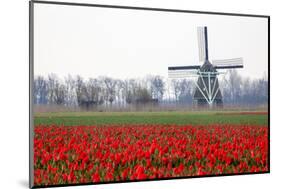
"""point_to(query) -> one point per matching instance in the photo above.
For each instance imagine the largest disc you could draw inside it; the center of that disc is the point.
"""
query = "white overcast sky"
(121, 43)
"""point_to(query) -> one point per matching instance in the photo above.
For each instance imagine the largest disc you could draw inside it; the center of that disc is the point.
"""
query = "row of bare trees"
(108, 92)
(244, 91)
(76, 91)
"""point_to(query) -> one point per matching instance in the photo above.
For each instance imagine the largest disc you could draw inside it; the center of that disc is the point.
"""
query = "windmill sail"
(228, 63)
(183, 67)
(181, 73)
(202, 43)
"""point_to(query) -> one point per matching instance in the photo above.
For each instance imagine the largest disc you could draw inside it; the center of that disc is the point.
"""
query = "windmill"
(207, 92)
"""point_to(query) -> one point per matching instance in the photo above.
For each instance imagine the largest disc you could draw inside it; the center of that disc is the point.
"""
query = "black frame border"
(31, 75)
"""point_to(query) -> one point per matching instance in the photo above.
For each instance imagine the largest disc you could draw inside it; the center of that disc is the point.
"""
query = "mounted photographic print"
(121, 94)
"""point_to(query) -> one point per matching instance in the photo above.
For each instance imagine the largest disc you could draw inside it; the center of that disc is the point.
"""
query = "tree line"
(153, 89)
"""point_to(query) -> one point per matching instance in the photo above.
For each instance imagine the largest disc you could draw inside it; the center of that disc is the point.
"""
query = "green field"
(179, 118)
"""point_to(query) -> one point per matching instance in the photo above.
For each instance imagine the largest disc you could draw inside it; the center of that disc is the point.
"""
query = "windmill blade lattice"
(201, 43)
(181, 74)
(228, 63)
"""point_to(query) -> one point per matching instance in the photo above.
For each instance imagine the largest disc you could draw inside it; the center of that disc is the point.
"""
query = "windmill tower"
(207, 92)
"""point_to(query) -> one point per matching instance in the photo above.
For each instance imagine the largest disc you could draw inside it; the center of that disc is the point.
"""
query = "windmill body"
(207, 92)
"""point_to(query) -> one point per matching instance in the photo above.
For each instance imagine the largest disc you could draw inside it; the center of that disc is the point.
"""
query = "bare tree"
(40, 90)
(71, 98)
(52, 79)
(231, 87)
(142, 95)
(110, 89)
(120, 89)
(80, 89)
(56, 90)
(157, 87)
(246, 91)
(129, 90)
(186, 91)
(176, 88)
(94, 90)
(59, 93)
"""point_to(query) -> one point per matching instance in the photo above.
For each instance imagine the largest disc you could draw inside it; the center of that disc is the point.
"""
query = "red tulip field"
(93, 152)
